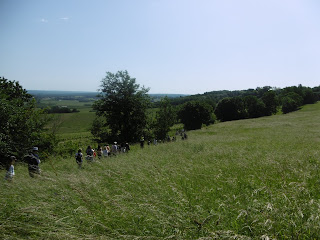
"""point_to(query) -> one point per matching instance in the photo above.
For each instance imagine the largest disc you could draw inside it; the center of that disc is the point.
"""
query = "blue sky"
(170, 46)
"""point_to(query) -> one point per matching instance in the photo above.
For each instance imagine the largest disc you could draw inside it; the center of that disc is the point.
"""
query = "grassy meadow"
(72, 129)
(246, 179)
(68, 123)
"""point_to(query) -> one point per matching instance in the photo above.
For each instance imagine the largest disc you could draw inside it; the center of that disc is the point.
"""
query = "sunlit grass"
(247, 179)
(79, 122)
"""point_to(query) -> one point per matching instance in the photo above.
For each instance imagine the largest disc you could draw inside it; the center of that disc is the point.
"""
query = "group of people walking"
(33, 159)
(106, 151)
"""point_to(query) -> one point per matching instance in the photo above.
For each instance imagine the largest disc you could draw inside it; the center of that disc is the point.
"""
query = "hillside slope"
(249, 179)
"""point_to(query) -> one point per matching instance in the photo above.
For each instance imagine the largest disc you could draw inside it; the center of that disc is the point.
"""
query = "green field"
(79, 122)
(246, 179)
(72, 129)
(68, 103)
(74, 122)
(67, 123)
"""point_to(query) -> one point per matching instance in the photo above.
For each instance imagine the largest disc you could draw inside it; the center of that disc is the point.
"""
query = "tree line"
(214, 97)
(266, 103)
(122, 112)
(61, 109)
(122, 108)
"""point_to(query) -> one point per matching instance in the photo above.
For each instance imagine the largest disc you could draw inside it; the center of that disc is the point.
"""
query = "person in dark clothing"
(89, 153)
(142, 142)
(127, 147)
(33, 162)
(99, 152)
(79, 158)
(123, 147)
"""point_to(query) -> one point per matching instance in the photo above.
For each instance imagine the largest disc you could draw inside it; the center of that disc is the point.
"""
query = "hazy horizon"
(164, 92)
(179, 47)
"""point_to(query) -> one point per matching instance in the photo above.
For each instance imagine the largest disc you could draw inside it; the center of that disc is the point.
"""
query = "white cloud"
(44, 20)
(64, 18)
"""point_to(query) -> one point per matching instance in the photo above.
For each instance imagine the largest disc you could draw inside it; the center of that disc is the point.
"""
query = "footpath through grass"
(247, 179)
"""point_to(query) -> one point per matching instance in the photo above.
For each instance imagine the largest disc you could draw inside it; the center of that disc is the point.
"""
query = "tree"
(21, 124)
(122, 106)
(254, 107)
(291, 102)
(309, 96)
(58, 109)
(165, 118)
(195, 113)
(271, 103)
(262, 90)
(99, 129)
(229, 109)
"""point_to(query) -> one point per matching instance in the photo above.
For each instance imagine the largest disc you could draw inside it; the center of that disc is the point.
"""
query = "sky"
(169, 46)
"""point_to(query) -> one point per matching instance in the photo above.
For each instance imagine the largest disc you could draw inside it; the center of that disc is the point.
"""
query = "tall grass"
(247, 179)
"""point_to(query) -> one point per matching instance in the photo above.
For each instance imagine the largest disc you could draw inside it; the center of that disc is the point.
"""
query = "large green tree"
(195, 113)
(229, 109)
(254, 107)
(165, 118)
(271, 102)
(21, 124)
(307, 94)
(121, 109)
(291, 102)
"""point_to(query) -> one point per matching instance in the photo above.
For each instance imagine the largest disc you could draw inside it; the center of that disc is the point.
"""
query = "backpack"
(29, 159)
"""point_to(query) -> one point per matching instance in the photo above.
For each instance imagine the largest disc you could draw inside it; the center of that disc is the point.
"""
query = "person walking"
(105, 151)
(142, 142)
(89, 153)
(123, 147)
(33, 162)
(108, 149)
(99, 152)
(127, 146)
(10, 169)
(79, 158)
(114, 149)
